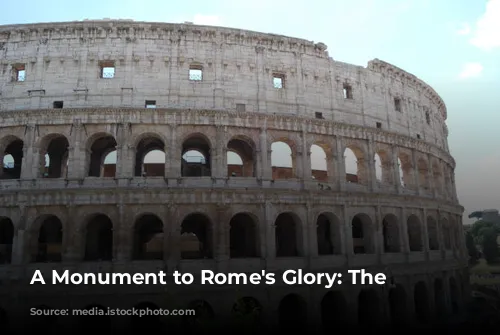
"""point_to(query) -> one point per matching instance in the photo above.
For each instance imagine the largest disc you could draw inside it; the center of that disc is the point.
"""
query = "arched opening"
(50, 239)
(319, 166)
(196, 158)
(54, 156)
(150, 158)
(46, 321)
(100, 148)
(201, 319)
(333, 311)
(196, 237)
(247, 313)
(328, 234)
(292, 314)
(398, 307)
(362, 234)
(288, 235)
(423, 171)
(369, 309)
(99, 239)
(243, 234)
(150, 322)
(378, 168)
(439, 299)
(421, 301)
(282, 160)
(109, 165)
(414, 233)
(148, 238)
(96, 321)
(12, 158)
(241, 158)
(354, 165)
(6, 240)
(390, 231)
(445, 228)
(454, 296)
(405, 170)
(432, 231)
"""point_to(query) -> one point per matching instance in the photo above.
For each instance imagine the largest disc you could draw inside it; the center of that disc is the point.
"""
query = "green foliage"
(471, 247)
(490, 245)
(485, 234)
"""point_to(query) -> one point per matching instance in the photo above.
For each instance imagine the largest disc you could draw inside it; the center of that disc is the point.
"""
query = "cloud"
(207, 20)
(487, 31)
(465, 30)
(471, 70)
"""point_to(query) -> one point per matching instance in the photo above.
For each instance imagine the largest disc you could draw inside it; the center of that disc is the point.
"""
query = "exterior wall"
(153, 59)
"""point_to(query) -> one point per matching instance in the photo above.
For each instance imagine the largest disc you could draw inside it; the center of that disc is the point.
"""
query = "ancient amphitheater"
(74, 95)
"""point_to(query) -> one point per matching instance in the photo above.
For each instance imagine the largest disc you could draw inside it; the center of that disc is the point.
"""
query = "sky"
(453, 45)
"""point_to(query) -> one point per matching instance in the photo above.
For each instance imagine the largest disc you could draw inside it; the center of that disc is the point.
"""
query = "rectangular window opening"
(195, 73)
(107, 70)
(19, 72)
(240, 108)
(397, 104)
(58, 104)
(379, 125)
(319, 115)
(150, 104)
(278, 80)
(418, 136)
(347, 90)
(427, 117)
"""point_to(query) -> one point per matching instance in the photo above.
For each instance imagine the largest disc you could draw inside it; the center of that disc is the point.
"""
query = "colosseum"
(138, 147)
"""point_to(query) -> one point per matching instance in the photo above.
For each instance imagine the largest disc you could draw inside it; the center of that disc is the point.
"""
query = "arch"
(421, 301)
(283, 159)
(328, 234)
(153, 147)
(319, 162)
(439, 299)
(288, 235)
(432, 232)
(6, 240)
(414, 227)
(46, 321)
(454, 296)
(369, 309)
(54, 155)
(334, 311)
(243, 148)
(378, 167)
(101, 145)
(243, 236)
(292, 314)
(202, 317)
(50, 237)
(398, 306)
(355, 165)
(390, 233)
(96, 321)
(437, 176)
(148, 238)
(11, 157)
(196, 158)
(405, 170)
(362, 234)
(247, 313)
(196, 237)
(383, 167)
(99, 238)
(148, 323)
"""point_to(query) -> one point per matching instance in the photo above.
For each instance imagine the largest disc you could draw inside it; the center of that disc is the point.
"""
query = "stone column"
(29, 153)
(312, 231)
(425, 234)
(349, 246)
(395, 166)
(172, 237)
(69, 248)
(331, 158)
(265, 156)
(270, 232)
(173, 155)
(123, 235)
(340, 164)
(416, 172)
(404, 232)
(77, 152)
(222, 238)
(219, 168)
(20, 243)
(306, 158)
(379, 234)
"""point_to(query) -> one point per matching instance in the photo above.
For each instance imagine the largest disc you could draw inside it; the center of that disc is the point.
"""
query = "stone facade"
(218, 90)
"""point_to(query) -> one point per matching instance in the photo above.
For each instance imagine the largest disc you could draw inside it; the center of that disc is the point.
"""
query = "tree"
(471, 247)
(490, 244)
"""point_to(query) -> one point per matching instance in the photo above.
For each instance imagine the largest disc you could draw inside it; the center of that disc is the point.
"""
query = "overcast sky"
(453, 45)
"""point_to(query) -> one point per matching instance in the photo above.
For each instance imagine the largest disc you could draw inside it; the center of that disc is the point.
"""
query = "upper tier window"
(19, 72)
(195, 73)
(347, 90)
(107, 70)
(278, 80)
